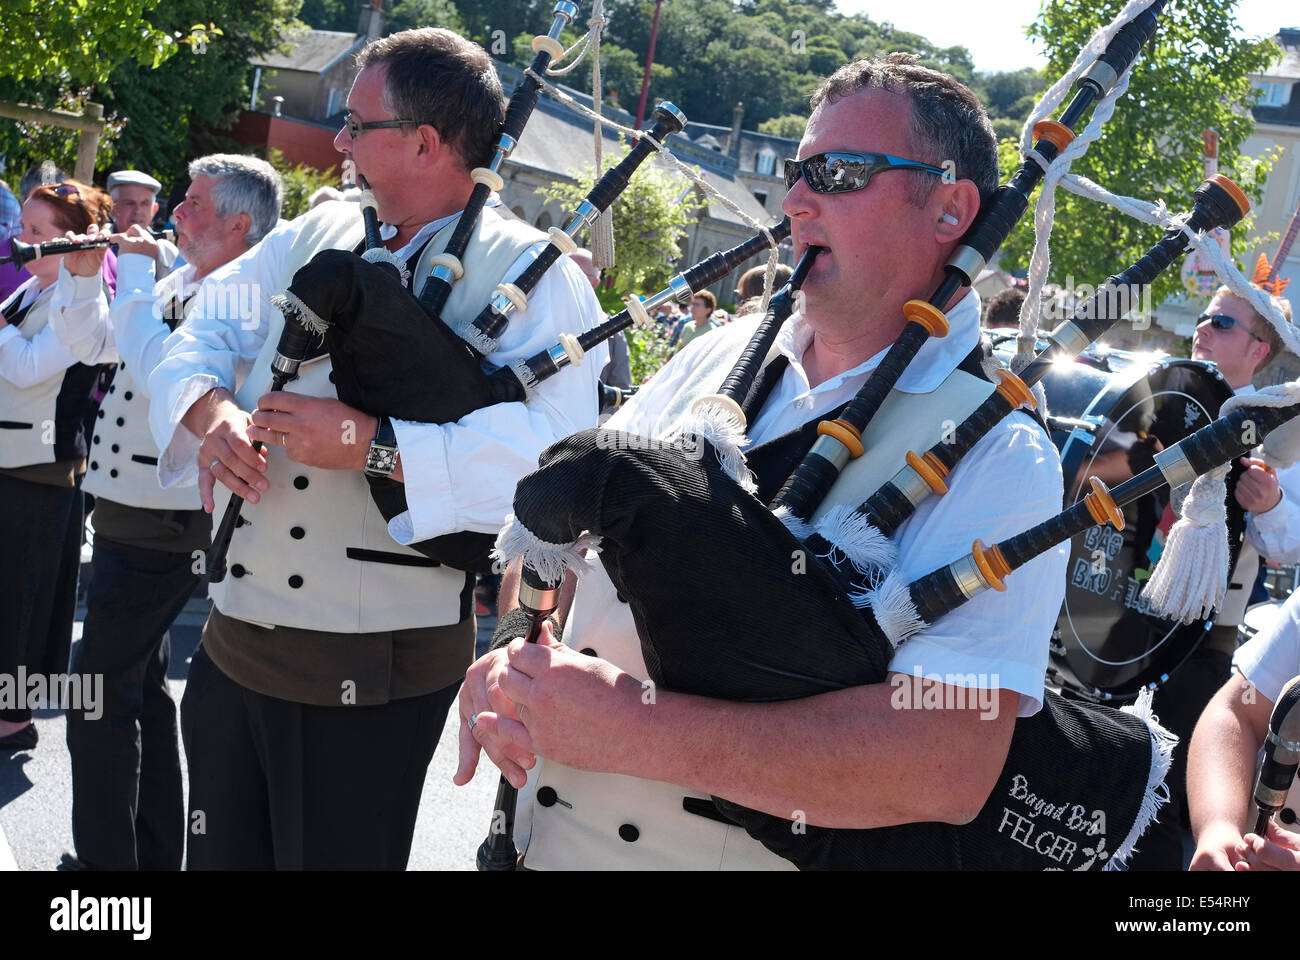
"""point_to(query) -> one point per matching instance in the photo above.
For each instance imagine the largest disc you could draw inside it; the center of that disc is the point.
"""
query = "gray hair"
(244, 185)
(948, 121)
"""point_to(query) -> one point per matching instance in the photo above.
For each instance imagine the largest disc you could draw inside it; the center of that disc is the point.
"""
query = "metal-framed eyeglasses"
(1221, 321)
(843, 172)
(355, 127)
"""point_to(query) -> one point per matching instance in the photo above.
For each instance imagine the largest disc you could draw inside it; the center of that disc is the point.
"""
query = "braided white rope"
(589, 40)
(1045, 210)
(694, 176)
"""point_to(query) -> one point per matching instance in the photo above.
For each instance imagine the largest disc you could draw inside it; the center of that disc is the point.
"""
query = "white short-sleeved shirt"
(1271, 658)
(1008, 482)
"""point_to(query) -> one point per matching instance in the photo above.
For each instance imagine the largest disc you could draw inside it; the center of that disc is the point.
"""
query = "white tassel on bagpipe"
(1157, 792)
(550, 560)
(1191, 576)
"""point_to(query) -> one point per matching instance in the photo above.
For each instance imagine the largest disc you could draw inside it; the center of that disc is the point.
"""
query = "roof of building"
(313, 51)
(558, 140)
(1287, 68)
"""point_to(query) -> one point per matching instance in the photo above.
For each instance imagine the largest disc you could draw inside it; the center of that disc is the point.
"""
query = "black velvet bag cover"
(392, 359)
(768, 621)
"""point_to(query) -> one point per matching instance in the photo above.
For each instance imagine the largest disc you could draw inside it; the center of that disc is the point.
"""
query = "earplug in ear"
(949, 218)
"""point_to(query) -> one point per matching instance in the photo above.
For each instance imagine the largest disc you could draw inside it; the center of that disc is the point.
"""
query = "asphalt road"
(36, 785)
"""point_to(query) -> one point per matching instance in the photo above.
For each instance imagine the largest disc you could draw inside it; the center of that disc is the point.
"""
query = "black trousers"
(1178, 704)
(291, 786)
(40, 543)
(128, 804)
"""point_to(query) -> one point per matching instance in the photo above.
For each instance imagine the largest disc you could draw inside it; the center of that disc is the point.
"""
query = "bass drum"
(1105, 419)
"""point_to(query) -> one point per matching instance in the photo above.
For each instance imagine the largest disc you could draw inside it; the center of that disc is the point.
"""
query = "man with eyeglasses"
(1234, 337)
(135, 202)
(334, 649)
(892, 170)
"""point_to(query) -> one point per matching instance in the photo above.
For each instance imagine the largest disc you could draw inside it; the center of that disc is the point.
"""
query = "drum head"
(1108, 646)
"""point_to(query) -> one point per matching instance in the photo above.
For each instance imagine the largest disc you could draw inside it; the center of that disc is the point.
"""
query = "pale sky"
(994, 33)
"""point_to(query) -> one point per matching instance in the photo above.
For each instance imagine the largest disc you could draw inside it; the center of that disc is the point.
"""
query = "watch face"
(381, 460)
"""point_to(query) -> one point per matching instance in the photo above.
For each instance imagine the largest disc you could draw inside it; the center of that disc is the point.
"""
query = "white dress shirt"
(1276, 533)
(76, 331)
(459, 476)
(1008, 482)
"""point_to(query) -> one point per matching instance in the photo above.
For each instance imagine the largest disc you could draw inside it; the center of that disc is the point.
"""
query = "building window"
(766, 163)
(1272, 94)
(333, 105)
(544, 221)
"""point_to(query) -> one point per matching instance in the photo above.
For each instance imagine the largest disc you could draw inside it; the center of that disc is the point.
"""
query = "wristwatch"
(381, 458)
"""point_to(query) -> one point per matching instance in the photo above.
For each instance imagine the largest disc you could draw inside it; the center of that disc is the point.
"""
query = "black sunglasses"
(1221, 321)
(356, 127)
(841, 172)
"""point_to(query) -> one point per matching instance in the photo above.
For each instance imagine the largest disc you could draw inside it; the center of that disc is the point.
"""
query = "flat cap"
(132, 178)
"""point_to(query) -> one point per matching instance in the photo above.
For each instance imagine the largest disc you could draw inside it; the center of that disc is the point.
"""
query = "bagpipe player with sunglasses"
(1231, 335)
(619, 773)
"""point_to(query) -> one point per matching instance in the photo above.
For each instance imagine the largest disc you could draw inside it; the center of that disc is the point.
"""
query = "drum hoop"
(1119, 383)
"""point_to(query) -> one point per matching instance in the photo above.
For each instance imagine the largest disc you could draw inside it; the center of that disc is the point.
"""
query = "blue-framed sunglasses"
(1221, 321)
(841, 172)
(356, 127)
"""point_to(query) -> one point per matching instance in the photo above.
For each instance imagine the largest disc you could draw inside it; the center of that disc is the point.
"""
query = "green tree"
(789, 125)
(650, 219)
(1193, 76)
(163, 116)
(82, 42)
(299, 183)
(407, 14)
(331, 14)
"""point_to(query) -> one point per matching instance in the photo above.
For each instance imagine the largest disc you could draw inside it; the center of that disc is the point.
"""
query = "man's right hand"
(481, 693)
(226, 453)
(136, 239)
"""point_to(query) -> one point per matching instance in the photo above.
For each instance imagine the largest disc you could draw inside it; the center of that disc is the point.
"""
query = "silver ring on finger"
(213, 465)
(473, 722)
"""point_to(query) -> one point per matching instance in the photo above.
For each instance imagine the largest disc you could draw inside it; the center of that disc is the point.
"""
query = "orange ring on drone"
(1055, 133)
(928, 316)
(993, 566)
(1014, 390)
(845, 433)
(1102, 505)
(930, 469)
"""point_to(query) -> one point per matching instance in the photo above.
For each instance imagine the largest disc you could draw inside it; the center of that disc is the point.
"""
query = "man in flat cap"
(135, 200)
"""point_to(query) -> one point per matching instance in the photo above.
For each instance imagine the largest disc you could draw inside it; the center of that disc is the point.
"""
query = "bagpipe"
(1080, 782)
(391, 352)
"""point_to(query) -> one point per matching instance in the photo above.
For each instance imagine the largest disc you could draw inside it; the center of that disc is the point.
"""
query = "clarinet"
(1281, 756)
(447, 267)
(841, 440)
(295, 343)
(23, 253)
(482, 332)
(1218, 203)
(984, 567)
(539, 592)
(515, 381)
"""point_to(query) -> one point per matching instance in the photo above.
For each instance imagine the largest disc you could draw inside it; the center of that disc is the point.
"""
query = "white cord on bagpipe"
(694, 176)
(1045, 211)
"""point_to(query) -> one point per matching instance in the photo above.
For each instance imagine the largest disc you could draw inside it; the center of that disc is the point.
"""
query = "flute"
(840, 440)
(22, 253)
